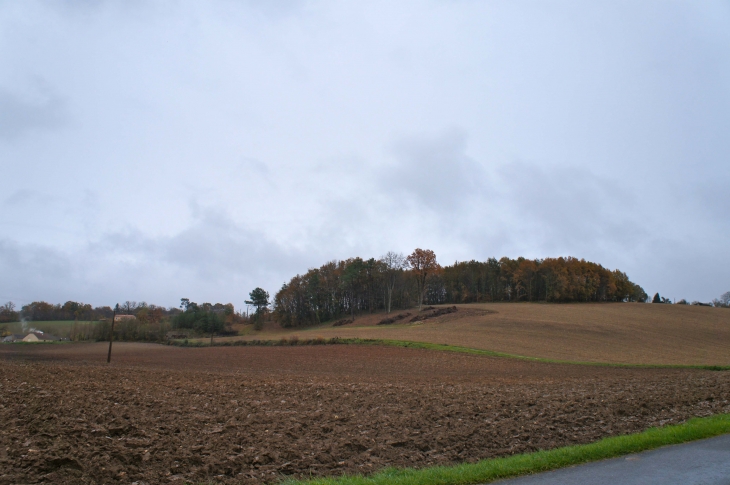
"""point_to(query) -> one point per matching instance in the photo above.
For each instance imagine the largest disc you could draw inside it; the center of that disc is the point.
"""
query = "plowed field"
(159, 414)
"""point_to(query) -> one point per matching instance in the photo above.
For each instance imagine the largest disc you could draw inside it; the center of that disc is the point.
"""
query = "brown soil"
(389, 320)
(634, 333)
(252, 414)
(435, 312)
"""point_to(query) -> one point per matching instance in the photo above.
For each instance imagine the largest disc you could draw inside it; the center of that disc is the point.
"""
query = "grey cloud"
(213, 250)
(33, 271)
(20, 197)
(19, 116)
(510, 206)
(211, 259)
(708, 198)
(434, 170)
(623, 158)
(213, 247)
(564, 207)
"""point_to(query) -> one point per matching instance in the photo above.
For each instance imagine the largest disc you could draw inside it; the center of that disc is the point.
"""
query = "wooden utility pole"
(111, 338)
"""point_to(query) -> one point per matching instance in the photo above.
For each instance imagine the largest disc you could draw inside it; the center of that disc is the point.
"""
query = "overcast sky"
(158, 150)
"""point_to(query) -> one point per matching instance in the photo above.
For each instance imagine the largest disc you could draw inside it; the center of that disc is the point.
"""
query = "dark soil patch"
(437, 312)
(393, 319)
(251, 414)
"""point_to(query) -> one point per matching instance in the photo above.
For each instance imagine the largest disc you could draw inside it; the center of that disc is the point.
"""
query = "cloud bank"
(153, 152)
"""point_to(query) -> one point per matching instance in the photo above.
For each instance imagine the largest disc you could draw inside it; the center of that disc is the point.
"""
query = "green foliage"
(657, 298)
(203, 318)
(132, 330)
(260, 300)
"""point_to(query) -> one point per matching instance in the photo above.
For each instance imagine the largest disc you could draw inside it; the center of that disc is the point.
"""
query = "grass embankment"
(494, 469)
(428, 346)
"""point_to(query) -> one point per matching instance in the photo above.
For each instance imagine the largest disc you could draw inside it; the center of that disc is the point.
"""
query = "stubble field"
(161, 414)
(629, 333)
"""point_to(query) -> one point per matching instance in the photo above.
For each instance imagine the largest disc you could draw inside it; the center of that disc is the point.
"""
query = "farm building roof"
(39, 336)
(13, 338)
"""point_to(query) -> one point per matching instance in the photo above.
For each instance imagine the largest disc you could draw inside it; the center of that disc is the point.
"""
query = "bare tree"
(128, 307)
(724, 300)
(394, 264)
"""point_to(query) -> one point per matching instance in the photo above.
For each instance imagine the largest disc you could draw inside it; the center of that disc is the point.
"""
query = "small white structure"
(122, 318)
(40, 337)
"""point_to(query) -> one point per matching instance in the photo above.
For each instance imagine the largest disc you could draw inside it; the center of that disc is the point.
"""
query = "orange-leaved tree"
(423, 262)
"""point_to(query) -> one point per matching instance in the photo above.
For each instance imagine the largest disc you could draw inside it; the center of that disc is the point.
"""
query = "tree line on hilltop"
(722, 302)
(355, 285)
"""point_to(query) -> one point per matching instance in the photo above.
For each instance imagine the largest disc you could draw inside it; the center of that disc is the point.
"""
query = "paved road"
(704, 462)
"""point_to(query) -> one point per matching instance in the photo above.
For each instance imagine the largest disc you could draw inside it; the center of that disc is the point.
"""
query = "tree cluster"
(260, 301)
(722, 302)
(355, 285)
(559, 280)
(206, 318)
(72, 310)
(340, 288)
(8, 313)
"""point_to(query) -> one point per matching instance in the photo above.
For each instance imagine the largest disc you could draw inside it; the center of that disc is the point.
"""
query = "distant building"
(122, 318)
(13, 338)
(40, 337)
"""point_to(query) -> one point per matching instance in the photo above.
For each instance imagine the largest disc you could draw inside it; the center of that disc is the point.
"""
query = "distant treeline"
(151, 322)
(355, 285)
(72, 310)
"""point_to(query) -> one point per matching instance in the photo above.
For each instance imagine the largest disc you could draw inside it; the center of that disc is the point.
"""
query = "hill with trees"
(394, 281)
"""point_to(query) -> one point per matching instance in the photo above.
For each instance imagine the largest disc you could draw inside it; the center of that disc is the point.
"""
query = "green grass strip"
(494, 469)
(440, 347)
(491, 353)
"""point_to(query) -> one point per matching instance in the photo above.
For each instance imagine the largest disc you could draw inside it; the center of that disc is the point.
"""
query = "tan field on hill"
(632, 333)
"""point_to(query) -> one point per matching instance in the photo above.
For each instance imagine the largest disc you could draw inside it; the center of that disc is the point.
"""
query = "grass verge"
(491, 353)
(489, 470)
(431, 346)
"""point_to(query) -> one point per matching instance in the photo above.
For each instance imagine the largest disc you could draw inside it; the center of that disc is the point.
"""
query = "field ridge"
(431, 346)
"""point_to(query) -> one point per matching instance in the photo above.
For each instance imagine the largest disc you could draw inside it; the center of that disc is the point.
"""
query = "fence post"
(111, 337)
